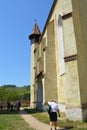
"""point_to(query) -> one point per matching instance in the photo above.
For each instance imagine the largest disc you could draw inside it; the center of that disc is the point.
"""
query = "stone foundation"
(74, 113)
(62, 107)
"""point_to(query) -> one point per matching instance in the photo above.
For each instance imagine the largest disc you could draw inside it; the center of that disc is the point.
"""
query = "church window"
(44, 52)
(61, 46)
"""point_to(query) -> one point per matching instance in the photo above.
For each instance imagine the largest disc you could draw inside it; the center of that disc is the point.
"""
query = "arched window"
(61, 46)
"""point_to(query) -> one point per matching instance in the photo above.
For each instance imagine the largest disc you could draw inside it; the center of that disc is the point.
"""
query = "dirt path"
(34, 123)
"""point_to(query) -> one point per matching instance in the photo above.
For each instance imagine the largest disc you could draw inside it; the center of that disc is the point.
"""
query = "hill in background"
(13, 93)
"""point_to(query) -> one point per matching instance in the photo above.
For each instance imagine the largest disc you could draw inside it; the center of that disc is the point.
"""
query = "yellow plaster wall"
(69, 37)
(80, 23)
(72, 84)
(71, 69)
(72, 39)
(66, 6)
(63, 7)
(32, 80)
(50, 75)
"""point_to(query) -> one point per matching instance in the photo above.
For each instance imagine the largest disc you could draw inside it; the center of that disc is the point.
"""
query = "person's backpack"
(49, 109)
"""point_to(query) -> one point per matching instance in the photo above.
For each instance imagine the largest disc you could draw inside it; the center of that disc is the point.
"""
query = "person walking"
(53, 112)
(18, 105)
(11, 105)
(8, 105)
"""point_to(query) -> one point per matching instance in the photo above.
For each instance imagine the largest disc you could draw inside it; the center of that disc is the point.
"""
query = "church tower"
(34, 38)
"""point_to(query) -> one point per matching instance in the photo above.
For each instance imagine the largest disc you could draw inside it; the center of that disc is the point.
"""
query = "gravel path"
(33, 122)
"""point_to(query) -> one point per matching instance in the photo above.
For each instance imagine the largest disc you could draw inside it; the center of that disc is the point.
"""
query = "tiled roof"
(35, 31)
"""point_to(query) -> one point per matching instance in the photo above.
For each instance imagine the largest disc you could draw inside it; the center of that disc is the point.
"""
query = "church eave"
(50, 13)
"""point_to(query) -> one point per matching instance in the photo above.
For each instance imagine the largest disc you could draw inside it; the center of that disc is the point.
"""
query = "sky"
(17, 18)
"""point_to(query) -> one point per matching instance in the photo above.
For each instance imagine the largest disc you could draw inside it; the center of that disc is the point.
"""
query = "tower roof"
(35, 31)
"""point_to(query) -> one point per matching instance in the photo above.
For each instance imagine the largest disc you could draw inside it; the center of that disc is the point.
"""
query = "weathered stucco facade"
(59, 59)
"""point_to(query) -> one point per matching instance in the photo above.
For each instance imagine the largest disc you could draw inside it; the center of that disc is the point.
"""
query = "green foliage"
(12, 92)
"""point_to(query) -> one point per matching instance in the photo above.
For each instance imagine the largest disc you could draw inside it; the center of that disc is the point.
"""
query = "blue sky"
(16, 22)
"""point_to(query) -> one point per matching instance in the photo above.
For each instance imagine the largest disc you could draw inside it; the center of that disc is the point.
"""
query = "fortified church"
(59, 59)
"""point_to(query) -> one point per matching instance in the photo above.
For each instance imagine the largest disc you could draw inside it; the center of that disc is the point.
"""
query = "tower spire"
(35, 32)
(35, 20)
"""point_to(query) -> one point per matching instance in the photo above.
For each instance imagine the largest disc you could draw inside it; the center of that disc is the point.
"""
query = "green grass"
(69, 125)
(12, 121)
